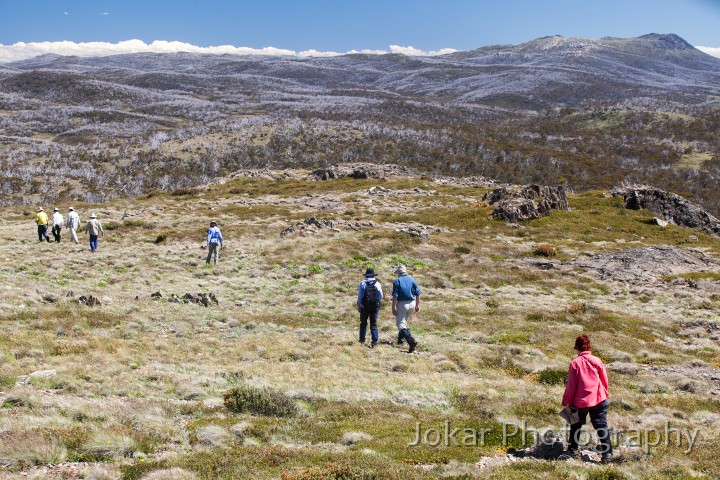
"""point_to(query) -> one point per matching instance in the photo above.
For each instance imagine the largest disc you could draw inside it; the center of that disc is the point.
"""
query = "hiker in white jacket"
(57, 221)
(73, 223)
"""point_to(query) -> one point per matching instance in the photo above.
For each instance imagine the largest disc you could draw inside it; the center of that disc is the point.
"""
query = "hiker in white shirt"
(73, 223)
(57, 220)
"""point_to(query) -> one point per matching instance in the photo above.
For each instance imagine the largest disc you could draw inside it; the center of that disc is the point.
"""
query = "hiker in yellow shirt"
(42, 223)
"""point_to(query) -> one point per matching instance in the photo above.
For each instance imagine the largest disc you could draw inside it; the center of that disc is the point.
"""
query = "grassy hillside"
(134, 388)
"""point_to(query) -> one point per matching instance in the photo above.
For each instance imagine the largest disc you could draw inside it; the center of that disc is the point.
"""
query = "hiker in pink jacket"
(587, 392)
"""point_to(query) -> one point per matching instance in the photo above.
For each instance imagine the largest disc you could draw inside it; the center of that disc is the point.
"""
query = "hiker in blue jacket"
(368, 304)
(214, 242)
(405, 302)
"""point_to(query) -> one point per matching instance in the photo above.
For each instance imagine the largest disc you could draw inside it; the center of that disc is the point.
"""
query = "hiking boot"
(570, 453)
(373, 345)
(606, 458)
(412, 344)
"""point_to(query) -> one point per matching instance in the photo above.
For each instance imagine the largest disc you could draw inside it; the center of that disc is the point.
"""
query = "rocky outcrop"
(364, 170)
(309, 226)
(90, 301)
(640, 266)
(418, 230)
(673, 208)
(312, 226)
(518, 203)
(265, 173)
(204, 299)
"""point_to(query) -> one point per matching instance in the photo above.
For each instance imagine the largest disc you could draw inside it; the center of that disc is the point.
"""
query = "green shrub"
(545, 250)
(129, 224)
(259, 401)
(578, 309)
(492, 303)
(510, 338)
(407, 261)
(7, 380)
(711, 276)
(330, 472)
(605, 474)
(138, 224)
(181, 192)
(553, 376)
(313, 269)
(162, 236)
(462, 250)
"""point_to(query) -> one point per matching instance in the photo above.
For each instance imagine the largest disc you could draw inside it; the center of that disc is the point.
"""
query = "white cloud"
(714, 51)
(105, 14)
(368, 52)
(420, 53)
(22, 50)
(66, 13)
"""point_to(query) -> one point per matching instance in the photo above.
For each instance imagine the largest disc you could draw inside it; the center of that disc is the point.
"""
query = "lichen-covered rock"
(204, 299)
(418, 230)
(641, 266)
(671, 207)
(90, 301)
(309, 226)
(364, 170)
(312, 226)
(518, 203)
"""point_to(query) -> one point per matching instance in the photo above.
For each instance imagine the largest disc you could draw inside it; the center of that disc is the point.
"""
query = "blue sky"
(343, 25)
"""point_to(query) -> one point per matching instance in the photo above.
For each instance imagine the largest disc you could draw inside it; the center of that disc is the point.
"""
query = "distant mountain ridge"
(548, 71)
(583, 113)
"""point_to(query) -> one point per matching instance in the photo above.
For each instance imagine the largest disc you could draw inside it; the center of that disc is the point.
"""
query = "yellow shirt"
(41, 218)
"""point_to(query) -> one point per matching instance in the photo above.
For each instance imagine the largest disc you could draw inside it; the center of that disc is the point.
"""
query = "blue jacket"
(363, 286)
(405, 288)
(214, 235)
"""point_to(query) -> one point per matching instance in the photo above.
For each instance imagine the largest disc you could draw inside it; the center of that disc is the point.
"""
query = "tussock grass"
(248, 399)
(139, 383)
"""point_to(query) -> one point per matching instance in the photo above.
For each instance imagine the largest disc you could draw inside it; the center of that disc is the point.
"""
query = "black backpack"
(371, 297)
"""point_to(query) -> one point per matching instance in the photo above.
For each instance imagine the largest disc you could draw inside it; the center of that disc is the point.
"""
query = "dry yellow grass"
(135, 386)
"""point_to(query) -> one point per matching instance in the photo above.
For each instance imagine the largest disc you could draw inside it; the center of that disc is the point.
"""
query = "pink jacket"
(587, 381)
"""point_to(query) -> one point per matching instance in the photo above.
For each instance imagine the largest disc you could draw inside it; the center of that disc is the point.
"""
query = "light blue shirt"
(405, 288)
(363, 286)
(214, 235)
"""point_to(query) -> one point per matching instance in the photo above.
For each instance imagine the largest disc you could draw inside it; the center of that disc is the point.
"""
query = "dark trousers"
(366, 314)
(213, 250)
(56, 232)
(598, 419)
(42, 233)
(93, 243)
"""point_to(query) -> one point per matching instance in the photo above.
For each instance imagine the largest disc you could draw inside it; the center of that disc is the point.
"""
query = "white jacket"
(57, 219)
(73, 220)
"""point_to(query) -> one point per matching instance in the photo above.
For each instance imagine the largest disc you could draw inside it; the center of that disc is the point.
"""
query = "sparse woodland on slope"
(585, 113)
(142, 362)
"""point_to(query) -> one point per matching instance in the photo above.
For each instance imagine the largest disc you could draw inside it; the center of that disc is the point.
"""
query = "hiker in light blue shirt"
(214, 242)
(406, 301)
